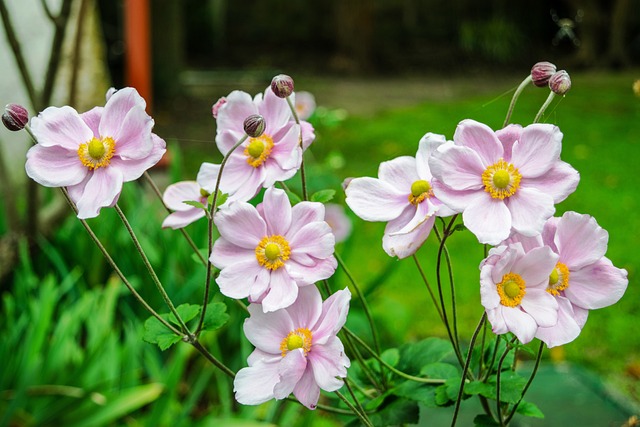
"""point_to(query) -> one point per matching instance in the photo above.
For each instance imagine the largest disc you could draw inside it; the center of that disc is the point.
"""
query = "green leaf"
(391, 356)
(511, 385)
(186, 313)
(478, 387)
(215, 317)
(440, 370)
(396, 412)
(157, 333)
(529, 409)
(194, 204)
(416, 355)
(293, 197)
(420, 392)
(222, 197)
(323, 196)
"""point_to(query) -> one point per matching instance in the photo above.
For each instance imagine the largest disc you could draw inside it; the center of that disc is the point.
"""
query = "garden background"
(383, 73)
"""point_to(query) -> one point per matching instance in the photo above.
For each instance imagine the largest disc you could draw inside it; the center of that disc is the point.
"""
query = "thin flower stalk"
(355, 399)
(500, 363)
(447, 257)
(198, 346)
(363, 416)
(426, 282)
(302, 173)
(514, 99)
(355, 352)
(526, 387)
(547, 102)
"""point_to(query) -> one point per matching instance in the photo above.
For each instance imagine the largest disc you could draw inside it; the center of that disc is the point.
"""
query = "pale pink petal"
(231, 116)
(427, 145)
(307, 308)
(597, 285)
(176, 194)
(308, 134)
(283, 291)
(489, 219)
(54, 166)
(133, 169)
(254, 385)
(508, 136)
(133, 136)
(558, 182)
(101, 190)
(241, 225)
(338, 221)
(399, 173)
(225, 253)
(529, 209)
(286, 152)
(266, 331)
(580, 240)
(260, 287)
(506, 260)
(238, 179)
(520, 323)
(290, 369)
(565, 331)
(307, 391)
(536, 266)
(454, 201)
(481, 139)
(315, 239)
(527, 243)
(422, 213)
(334, 315)
(62, 127)
(304, 213)
(236, 280)
(405, 245)
(75, 191)
(277, 211)
(375, 200)
(181, 219)
(540, 305)
(537, 150)
(227, 139)
(316, 270)
(489, 297)
(496, 319)
(580, 314)
(92, 119)
(117, 108)
(459, 168)
(259, 355)
(328, 361)
(275, 110)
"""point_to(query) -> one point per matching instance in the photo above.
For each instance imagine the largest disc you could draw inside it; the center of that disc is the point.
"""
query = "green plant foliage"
(323, 196)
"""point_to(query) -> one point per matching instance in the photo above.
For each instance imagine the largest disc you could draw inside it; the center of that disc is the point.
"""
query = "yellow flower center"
(420, 190)
(511, 289)
(258, 150)
(501, 179)
(97, 153)
(300, 338)
(273, 251)
(558, 279)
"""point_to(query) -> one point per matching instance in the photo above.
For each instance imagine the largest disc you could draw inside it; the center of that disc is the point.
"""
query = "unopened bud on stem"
(282, 85)
(541, 72)
(15, 117)
(254, 125)
(560, 82)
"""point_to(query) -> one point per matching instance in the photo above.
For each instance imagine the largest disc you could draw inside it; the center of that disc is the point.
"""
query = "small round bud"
(15, 117)
(560, 82)
(110, 92)
(541, 72)
(216, 107)
(254, 125)
(282, 85)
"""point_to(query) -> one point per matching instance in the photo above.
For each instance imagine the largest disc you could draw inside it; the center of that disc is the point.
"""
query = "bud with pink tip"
(15, 117)
(541, 72)
(560, 82)
(216, 107)
(254, 125)
(282, 85)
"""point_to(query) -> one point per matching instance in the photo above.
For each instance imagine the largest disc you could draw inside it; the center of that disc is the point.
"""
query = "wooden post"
(138, 48)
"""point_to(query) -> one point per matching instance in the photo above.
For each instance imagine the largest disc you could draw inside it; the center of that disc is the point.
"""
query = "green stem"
(547, 102)
(391, 368)
(365, 368)
(216, 191)
(426, 282)
(498, 374)
(516, 94)
(353, 396)
(363, 416)
(152, 273)
(198, 346)
(454, 310)
(302, 173)
(526, 387)
(466, 368)
(157, 192)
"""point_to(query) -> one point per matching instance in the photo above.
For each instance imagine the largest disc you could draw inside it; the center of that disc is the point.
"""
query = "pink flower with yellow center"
(259, 162)
(94, 153)
(502, 181)
(583, 278)
(267, 252)
(402, 196)
(297, 350)
(513, 290)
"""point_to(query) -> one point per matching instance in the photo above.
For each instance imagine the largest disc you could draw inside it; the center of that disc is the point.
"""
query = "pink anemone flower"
(583, 278)
(266, 253)
(297, 350)
(502, 181)
(258, 162)
(94, 153)
(513, 290)
(403, 196)
(175, 196)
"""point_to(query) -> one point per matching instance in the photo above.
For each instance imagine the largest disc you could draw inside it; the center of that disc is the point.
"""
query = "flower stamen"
(258, 150)
(300, 338)
(511, 289)
(420, 190)
(97, 153)
(273, 251)
(501, 180)
(558, 279)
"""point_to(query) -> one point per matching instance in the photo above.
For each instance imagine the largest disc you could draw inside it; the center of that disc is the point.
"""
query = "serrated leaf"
(478, 387)
(416, 355)
(157, 333)
(391, 356)
(215, 317)
(186, 313)
(440, 370)
(194, 204)
(222, 197)
(420, 392)
(441, 397)
(323, 196)
(529, 409)
(396, 411)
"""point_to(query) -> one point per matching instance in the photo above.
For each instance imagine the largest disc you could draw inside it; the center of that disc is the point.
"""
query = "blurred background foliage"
(384, 73)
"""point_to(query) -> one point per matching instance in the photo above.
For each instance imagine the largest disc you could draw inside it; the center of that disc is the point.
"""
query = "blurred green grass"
(600, 120)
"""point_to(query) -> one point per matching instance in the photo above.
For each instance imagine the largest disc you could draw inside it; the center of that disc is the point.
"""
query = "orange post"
(138, 48)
